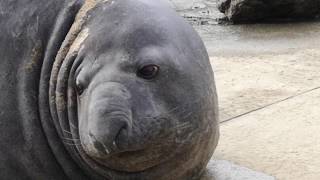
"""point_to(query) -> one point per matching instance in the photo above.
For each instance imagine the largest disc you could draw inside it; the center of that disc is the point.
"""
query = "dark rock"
(239, 11)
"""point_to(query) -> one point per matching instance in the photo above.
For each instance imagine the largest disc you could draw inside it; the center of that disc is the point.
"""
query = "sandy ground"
(269, 93)
(249, 83)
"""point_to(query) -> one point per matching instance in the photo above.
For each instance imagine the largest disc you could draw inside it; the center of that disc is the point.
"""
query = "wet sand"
(260, 39)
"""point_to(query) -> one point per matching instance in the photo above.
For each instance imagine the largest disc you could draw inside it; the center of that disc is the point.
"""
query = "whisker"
(70, 139)
(73, 126)
(66, 131)
(72, 144)
(177, 108)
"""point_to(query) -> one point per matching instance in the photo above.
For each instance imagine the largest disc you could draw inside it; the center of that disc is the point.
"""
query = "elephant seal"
(116, 90)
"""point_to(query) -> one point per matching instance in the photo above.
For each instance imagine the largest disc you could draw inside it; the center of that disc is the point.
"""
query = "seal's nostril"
(110, 138)
(121, 138)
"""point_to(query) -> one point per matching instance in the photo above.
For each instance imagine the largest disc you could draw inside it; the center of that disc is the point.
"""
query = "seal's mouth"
(135, 159)
(124, 154)
(102, 153)
(132, 161)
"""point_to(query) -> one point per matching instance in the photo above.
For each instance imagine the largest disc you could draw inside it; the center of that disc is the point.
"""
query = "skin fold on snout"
(108, 120)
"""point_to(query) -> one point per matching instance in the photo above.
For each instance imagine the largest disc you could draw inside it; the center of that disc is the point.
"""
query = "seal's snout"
(109, 119)
(105, 139)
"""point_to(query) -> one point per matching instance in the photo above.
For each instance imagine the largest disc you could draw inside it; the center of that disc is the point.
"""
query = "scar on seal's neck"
(77, 33)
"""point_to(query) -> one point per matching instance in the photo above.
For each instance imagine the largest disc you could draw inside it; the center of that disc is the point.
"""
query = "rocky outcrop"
(239, 11)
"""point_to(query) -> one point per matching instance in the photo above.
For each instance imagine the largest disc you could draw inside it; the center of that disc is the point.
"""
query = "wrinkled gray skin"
(87, 114)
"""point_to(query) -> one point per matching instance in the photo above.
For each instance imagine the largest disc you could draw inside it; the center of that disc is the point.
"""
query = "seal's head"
(146, 98)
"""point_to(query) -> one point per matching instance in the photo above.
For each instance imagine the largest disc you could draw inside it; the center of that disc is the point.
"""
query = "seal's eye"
(148, 71)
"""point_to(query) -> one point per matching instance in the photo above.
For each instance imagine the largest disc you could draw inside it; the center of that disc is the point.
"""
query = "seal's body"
(103, 90)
